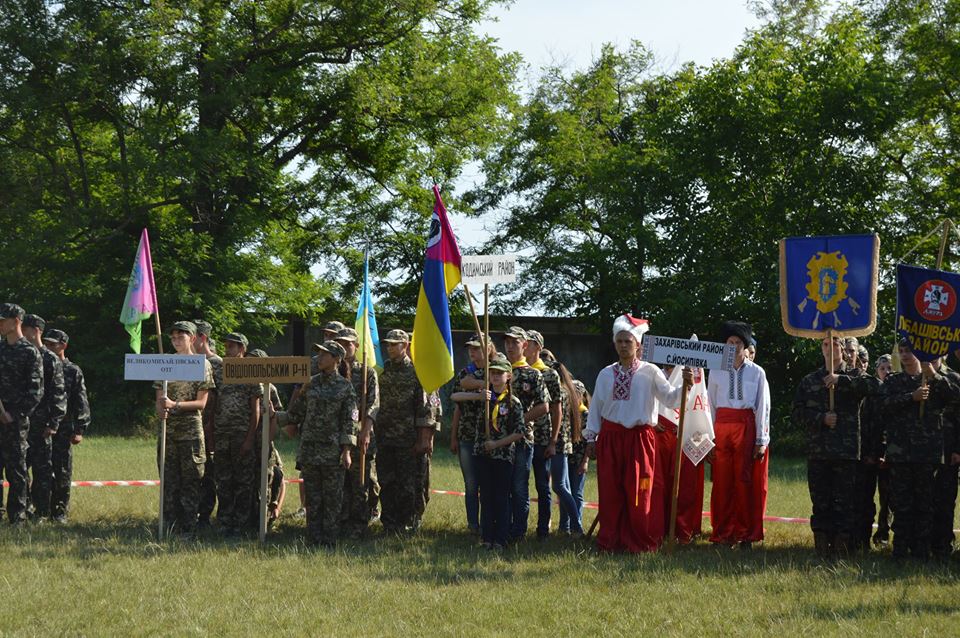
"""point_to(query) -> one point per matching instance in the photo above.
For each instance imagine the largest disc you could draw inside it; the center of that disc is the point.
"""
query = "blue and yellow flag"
(368, 339)
(927, 310)
(829, 283)
(432, 346)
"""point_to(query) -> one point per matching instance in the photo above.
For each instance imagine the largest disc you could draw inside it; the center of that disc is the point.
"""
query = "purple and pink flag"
(141, 300)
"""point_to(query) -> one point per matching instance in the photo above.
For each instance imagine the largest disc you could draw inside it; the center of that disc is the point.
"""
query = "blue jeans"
(496, 481)
(577, 482)
(468, 467)
(543, 470)
(520, 492)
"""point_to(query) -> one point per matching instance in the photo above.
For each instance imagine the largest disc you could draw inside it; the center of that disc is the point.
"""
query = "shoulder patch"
(355, 415)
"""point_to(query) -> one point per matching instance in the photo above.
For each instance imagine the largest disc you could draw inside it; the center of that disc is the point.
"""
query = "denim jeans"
(577, 482)
(520, 491)
(468, 467)
(496, 481)
(543, 471)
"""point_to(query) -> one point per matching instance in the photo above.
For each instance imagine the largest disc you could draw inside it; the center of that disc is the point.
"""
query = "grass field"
(104, 573)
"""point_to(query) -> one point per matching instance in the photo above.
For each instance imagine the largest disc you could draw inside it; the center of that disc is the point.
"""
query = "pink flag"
(141, 300)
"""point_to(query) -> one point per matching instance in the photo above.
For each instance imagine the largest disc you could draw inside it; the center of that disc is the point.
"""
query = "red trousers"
(690, 496)
(739, 496)
(625, 467)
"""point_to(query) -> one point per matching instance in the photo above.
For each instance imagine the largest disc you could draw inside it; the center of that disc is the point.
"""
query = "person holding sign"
(740, 400)
(185, 454)
(325, 413)
(620, 433)
(468, 417)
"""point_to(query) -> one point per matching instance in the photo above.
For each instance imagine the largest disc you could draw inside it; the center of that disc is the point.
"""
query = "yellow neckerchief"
(583, 408)
(521, 363)
(539, 365)
(496, 407)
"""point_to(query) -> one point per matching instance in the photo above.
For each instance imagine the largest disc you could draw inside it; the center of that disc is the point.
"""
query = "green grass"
(104, 573)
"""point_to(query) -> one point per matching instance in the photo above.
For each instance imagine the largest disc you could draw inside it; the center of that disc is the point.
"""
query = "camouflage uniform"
(186, 454)
(542, 435)
(39, 445)
(529, 388)
(832, 455)
(326, 411)
(868, 469)
(76, 421)
(208, 484)
(945, 479)
(404, 409)
(237, 470)
(356, 508)
(21, 389)
(914, 450)
(434, 420)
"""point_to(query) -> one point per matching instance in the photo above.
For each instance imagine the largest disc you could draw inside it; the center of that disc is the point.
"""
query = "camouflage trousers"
(833, 490)
(323, 484)
(373, 484)
(183, 469)
(39, 463)
(208, 488)
(944, 504)
(355, 514)
(61, 464)
(912, 502)
(404, 487)
(866, 507)
(237, 473)
(13, 449)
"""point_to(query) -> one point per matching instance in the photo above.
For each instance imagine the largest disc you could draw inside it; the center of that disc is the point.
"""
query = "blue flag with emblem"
(829, 283)
(927, 310)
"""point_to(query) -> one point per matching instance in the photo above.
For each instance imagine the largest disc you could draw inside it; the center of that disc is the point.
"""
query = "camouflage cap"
(500, 363)
(203, 327)
(333, 326)
(184, 326)
(333, 348)
(348, 334)
(34, 321)
(56, 336)
(579, 387)
(257, 352)
(474, 340)
(516, 332)
(396, 336)
(535, 336)
(11, 311)
(236, 337)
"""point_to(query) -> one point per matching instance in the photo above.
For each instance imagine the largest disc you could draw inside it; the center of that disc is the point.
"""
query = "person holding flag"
(141, 300)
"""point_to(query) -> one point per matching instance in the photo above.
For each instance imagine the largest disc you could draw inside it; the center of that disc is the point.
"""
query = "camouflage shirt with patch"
(911, 439)
(77, 418)
(326, 411)
(404, 406)
(21, 378)
(509, 421)
(543, 427)
(812, 403)
(216, 362)
(471, 412)
(187, 425)
(234, 408)
(565, 438)
(373, 388)
(53, 405)
(528, 386)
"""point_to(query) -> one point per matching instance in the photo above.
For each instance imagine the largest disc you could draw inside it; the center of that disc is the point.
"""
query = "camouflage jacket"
(404, 406)
(216, 363)
(543, 427)
(509, 421)
(234, 408)
(951, 418)
(812, 403)
(575, 457)
(528, 386)
(871, 422)
(565, 438)
(326, 411)
(77, 418)
(54, 403)
(909, 438)
(187, 425)
(373, 389)
(21, 378)
(471, 412)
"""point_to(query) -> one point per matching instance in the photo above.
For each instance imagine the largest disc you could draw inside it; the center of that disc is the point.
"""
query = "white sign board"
(164, 367)
(688, 352)
(488, 269)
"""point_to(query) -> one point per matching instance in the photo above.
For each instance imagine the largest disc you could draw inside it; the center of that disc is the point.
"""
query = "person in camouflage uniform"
(527, 385)
(44, 422)
(877, 449)
(185, 457)
(833, 446)
(326, 413)
(914, 448)
(870, 454)
(404, 432)
(275, 493)
(234, 433)
(72, 428)
(21, 389)
(355, 515)
(208, 485)
(467, 417)
(945, 477)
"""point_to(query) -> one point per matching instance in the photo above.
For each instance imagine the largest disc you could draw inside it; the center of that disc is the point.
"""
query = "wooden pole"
(593, 526)
(677, 460)
(940, 254)
(473, 313)
(266, 406)
(830, 337)
(363, 396)
(163, 425)
(486, 359)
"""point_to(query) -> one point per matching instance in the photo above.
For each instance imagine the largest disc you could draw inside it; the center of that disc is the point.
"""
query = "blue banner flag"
(829, 283)
(368, 342)
(927, 310)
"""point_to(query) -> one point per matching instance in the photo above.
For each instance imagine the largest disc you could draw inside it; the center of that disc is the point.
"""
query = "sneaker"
(60, 519)
(300, 513)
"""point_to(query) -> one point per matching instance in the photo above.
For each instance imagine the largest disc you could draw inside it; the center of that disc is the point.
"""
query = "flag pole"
(677, 460)
(830, 337)
(940, 255)
(163, 421)
(486, 359)
(363, 395)
(265, 407)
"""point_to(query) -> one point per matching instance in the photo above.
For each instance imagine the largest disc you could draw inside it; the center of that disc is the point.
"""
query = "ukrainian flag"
(368, 346)
(432, 346)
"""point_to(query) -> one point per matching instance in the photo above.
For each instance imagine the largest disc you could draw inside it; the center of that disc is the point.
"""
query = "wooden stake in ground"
(266, 407)
(677, 460)
(593, 526)
(163, 426)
